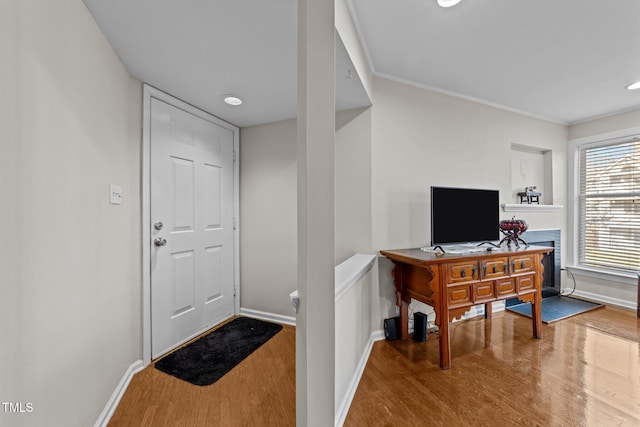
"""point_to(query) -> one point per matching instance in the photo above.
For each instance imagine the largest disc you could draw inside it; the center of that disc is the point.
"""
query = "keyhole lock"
(158, 225)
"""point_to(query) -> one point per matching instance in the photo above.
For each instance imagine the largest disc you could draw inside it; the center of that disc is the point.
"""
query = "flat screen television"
(461, 215)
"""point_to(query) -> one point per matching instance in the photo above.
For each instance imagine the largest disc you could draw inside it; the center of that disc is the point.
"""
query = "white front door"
(192, 202)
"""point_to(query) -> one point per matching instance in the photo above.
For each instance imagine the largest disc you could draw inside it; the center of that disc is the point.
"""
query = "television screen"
(464, 215)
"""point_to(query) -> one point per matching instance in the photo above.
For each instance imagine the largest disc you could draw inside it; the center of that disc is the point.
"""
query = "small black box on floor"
(392, 328)
(419, 327)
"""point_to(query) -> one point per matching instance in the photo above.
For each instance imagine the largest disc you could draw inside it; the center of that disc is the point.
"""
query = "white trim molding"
(113, 402)
(346, 275)
(350, 271)
(508, 207)
(573, 171)
(150, 92)
(269, 317)
(345, 404)
(605, 299)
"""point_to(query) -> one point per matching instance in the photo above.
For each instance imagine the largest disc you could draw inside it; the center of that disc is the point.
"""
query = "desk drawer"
(459, 295)
(521, 264)
(505, 288)
(483, 292)
(494, 267)
(465, 271)
(525, 283)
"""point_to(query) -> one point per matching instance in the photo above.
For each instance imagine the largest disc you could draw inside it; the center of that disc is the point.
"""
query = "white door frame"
(148, 93)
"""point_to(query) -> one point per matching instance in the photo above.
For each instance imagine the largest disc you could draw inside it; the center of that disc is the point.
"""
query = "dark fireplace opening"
(552, 261)
(549, 288)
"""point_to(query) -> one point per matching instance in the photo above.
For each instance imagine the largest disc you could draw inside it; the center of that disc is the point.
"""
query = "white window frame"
(573, 157)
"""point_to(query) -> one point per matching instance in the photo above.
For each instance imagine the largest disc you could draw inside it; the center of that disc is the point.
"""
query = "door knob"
(159, 241)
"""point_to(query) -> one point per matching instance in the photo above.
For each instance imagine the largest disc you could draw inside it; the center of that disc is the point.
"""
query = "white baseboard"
(605, 299)
(343, 410)
(377, 336)
(113, 402)
(270, 317)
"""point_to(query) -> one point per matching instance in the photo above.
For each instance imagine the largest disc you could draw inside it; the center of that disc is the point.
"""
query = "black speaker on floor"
(392, 328)
(419, 327)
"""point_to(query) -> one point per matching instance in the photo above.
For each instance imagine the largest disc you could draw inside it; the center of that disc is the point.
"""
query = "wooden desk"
(452, 284)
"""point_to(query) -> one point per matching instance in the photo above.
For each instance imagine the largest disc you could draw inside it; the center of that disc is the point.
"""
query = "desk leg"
(404, 320)
(445, 349)
(536, 315)
(488, 310)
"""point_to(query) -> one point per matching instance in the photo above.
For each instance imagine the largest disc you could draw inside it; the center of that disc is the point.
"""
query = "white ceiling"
(200, 50)
(562, 60)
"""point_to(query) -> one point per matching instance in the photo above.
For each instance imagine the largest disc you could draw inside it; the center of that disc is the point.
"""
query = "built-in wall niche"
(531, 166)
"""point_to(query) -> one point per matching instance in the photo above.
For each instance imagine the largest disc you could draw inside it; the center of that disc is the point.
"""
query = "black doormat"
(206, 360)
(556, 308)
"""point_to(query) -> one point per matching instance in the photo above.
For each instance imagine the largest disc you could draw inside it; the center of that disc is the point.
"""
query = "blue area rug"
(557, 308)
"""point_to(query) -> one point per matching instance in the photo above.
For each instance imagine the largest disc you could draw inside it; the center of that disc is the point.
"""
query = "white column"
(315, 334)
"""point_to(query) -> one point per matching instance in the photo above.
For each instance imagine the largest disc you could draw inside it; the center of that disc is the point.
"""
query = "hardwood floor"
(260, 391)
(584, 372)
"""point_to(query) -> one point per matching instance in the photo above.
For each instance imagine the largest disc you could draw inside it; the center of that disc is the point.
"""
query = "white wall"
(70, 309)
(268, 206)
(418, 138)
(349, 36)
(423, 138)
(268, 217)
(353, 183)
(614, 290)
(355, 328)
(627, 120)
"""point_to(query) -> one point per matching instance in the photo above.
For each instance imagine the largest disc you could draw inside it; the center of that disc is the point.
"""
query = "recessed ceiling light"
(634, 86)
(448, 3)
(232, 100)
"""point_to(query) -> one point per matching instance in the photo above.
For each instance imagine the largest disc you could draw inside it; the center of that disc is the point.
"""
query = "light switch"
(115, 194)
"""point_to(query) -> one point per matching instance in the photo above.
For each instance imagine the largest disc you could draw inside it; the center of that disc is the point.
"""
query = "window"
(609, 205)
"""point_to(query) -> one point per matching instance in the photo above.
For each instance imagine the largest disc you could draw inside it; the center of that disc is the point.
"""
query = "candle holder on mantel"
(529, 195)
(512, 229)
